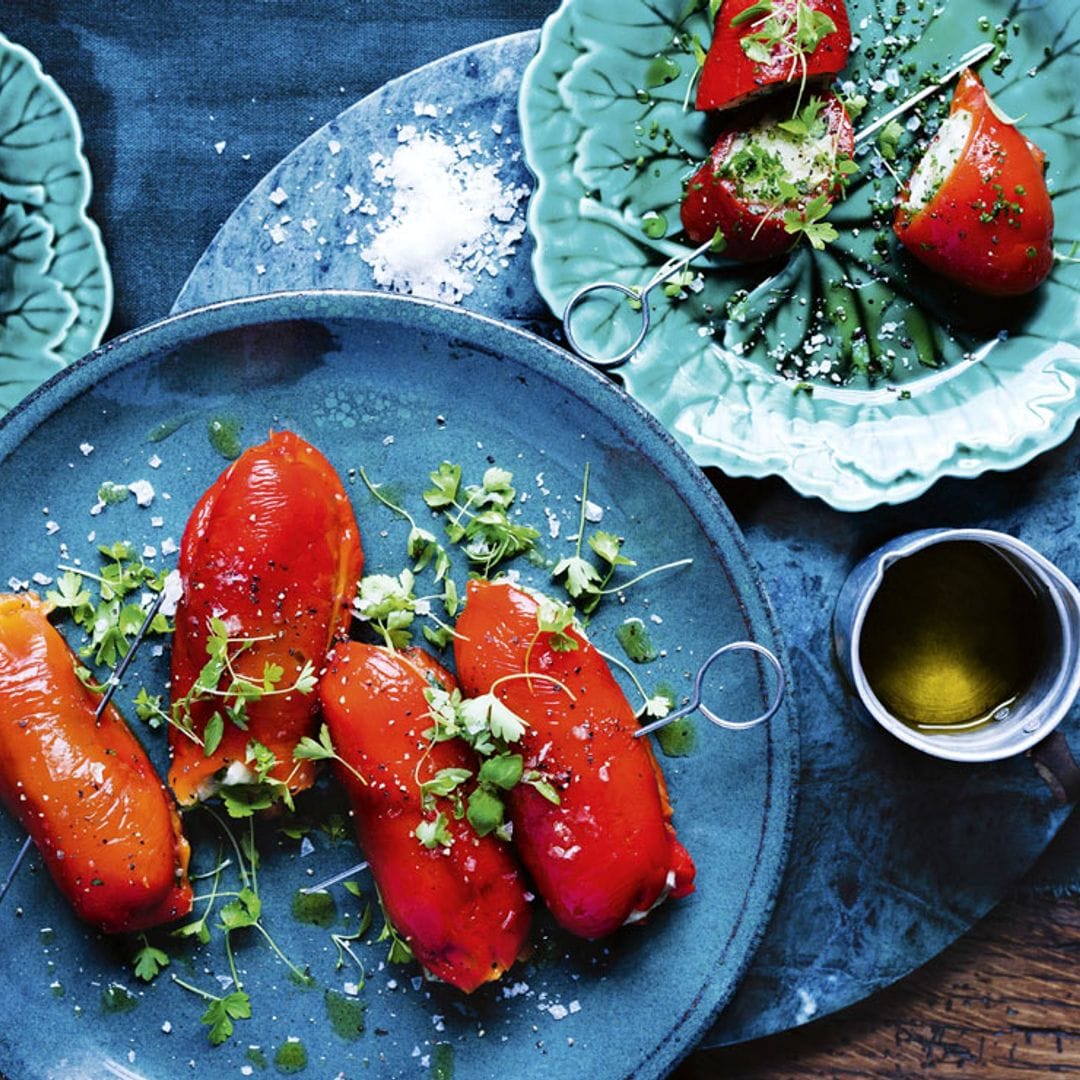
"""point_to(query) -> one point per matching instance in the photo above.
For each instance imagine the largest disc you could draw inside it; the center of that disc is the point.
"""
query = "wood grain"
(1004, 1001)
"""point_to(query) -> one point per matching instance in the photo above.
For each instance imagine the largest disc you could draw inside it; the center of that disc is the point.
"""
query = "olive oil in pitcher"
(954, 635)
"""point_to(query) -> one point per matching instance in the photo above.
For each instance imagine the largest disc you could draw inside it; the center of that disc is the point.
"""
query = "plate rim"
(691, 484)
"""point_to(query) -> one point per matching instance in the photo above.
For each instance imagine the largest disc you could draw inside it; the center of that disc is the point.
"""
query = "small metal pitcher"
(1029, 721)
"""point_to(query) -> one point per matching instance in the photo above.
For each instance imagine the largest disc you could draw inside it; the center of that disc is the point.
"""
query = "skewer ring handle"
(606, 362)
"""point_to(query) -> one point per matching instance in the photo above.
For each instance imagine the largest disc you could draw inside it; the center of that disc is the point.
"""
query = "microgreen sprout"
(585, 583)
(784, 31)
(656, 706)
(323, 750)
(400, 950)
(219, 680)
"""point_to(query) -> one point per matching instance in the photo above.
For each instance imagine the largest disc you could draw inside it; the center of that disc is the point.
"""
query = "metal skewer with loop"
(678, 263)
(696, 704)
(111, 685)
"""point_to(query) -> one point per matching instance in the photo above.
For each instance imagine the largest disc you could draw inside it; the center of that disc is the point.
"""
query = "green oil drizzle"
(636, 643)
(314, 909)
(291, 1057)
(679, 738)
(661, 71)
(346, 1015)
(167, 428)
(224, 434)
(46, 934)
(58, 990)
(442, 1062)
(117, 999)
(256, 1057)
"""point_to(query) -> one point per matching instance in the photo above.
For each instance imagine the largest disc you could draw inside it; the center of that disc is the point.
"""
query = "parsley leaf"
(434, 833)
(149, 961)
(223, 1011)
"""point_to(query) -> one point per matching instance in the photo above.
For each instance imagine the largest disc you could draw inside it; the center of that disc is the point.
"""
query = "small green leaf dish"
(55, 286)
(852, 372)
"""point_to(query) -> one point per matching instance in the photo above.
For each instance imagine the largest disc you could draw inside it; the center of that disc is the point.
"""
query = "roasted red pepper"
(977, 209)
(461, 908)
(607, 854)
(84, 789)
(760, 171)
(760, 46)
(273, 550)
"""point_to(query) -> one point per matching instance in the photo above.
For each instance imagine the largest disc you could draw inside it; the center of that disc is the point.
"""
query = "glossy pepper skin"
(462, 909)
(273, 549)
(990, 224)
(753, 229)
(730, 78)
(108, 831)
(607, 854)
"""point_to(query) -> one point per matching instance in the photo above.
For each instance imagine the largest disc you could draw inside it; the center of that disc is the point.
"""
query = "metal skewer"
(695, 703)
(109, 689)
(344, 875)
(679, 263)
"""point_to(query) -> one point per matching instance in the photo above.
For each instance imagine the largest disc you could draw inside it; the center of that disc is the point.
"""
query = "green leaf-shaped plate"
(852, 372)
(55, 286)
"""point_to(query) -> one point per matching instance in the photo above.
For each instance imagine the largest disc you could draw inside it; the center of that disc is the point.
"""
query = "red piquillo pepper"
(461, 908)
(273, 550)
(759, 171)
(759, 46)
(986, 221)
(607, 854)
(84, 789)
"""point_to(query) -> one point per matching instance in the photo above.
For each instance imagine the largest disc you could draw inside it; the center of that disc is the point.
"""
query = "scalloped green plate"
(744, 370)
(55, 286)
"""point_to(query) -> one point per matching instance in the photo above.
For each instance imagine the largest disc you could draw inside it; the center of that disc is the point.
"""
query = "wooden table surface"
(1004, 1001)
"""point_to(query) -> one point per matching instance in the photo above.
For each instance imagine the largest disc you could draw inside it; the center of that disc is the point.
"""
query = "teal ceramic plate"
(55, 286)
(395, 386)
(959, 384)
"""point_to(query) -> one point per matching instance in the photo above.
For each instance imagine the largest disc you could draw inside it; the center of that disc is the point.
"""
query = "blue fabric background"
(157, 84)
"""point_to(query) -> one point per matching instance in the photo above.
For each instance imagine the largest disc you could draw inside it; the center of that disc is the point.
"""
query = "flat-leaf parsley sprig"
(242, 912)
(482, 521)
(388, 604)
(492, 729)
(111, 618)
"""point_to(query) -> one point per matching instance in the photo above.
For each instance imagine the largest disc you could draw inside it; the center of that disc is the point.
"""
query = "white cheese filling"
(939, 160)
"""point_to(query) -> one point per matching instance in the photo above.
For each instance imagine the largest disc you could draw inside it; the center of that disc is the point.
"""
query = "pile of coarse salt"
(451, 218)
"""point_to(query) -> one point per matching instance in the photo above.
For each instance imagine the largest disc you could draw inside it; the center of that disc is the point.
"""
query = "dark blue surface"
(867, 896)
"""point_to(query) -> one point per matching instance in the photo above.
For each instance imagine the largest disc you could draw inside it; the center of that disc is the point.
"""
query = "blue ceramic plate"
(395, 386)
(55, 286)
(758, 370)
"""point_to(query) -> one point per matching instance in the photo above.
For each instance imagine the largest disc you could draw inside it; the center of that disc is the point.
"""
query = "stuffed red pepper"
(606, 854)
(458, 900)
(976, 208)
(83, 788)
(271, 556)
(770, 179)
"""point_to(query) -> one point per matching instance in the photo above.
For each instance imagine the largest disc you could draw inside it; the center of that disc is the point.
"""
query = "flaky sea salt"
(452, 218)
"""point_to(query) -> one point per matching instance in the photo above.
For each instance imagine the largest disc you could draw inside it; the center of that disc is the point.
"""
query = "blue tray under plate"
(895, 855)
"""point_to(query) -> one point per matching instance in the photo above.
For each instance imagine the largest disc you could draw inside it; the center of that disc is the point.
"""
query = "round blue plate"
(395, 386)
